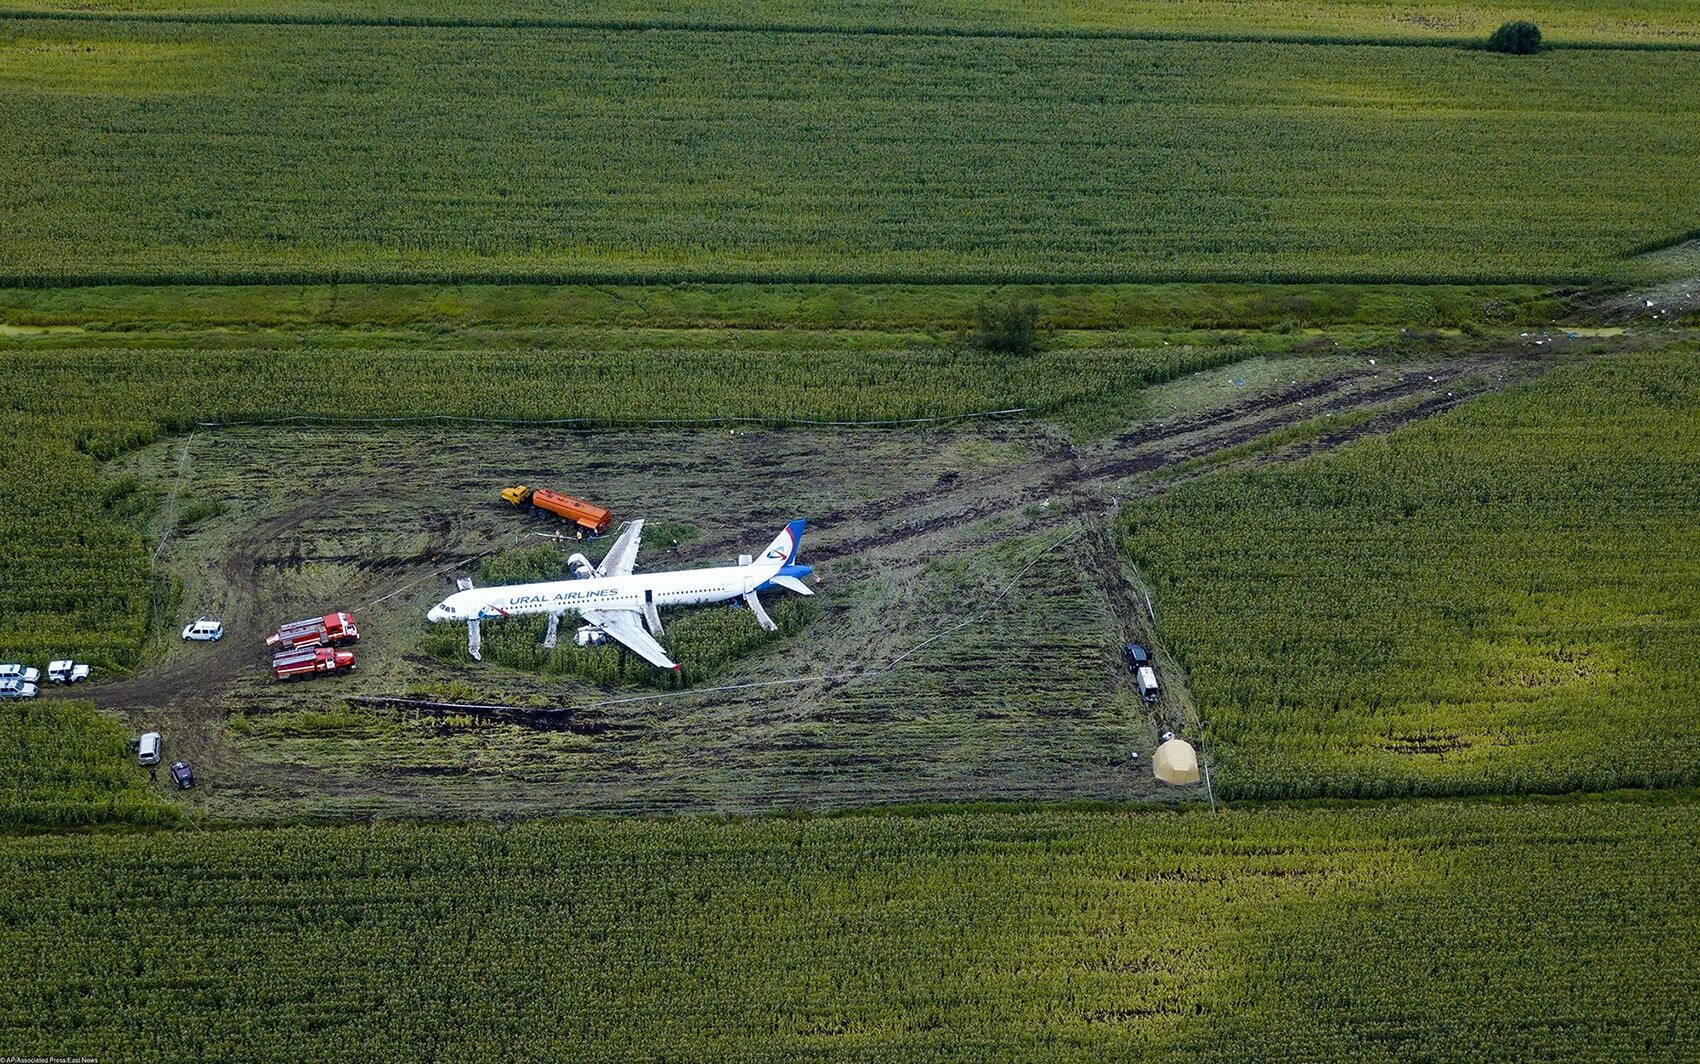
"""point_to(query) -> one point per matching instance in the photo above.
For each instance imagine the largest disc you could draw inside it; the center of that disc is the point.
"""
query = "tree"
(1516, 38)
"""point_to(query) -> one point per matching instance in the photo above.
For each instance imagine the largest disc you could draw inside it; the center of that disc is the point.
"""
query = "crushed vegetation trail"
(1153, 458)
(912, 532)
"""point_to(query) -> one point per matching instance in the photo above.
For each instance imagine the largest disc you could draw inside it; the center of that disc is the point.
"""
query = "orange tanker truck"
(590, 518)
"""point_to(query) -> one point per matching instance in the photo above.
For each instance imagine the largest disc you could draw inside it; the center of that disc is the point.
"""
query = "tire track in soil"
(1078, 476)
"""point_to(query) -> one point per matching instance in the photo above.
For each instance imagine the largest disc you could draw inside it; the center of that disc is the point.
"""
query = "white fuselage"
(688, 587)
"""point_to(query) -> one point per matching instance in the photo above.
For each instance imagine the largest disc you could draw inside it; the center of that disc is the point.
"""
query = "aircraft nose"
(435, 613)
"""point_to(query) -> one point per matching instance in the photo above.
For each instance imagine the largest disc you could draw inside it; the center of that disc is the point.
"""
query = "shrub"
(1516, 38)
(1011, 327)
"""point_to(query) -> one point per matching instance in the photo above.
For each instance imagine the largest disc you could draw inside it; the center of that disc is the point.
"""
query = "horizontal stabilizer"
(791, 583)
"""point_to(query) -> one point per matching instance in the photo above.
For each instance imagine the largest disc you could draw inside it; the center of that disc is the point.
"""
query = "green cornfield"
(229, 152)
(66, 766)
(1640, 22)
(1500, 599)
(1425, 930)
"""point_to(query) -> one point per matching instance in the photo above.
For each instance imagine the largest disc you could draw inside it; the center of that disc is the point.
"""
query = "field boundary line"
(594, 423)
(1018, 33)
(266, 277)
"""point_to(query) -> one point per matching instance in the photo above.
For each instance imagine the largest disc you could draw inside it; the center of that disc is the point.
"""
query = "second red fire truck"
(294, 664)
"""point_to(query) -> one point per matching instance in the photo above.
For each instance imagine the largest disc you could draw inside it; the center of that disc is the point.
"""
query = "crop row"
(1561, 930)
(1500, 599)
(217, 153)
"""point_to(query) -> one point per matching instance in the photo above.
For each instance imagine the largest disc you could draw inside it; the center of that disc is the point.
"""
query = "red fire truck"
(294, 664)
(331, 630)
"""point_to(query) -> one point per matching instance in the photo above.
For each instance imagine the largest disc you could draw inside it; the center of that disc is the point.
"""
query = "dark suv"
(183, 774)
(1136, 656)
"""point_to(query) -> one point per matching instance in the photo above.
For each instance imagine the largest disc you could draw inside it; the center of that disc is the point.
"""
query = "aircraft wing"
(623, 554)
(627, 627)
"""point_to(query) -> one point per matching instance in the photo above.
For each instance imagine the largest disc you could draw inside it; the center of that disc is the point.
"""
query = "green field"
(1408, 930)
(1499, 599)
(66, 768)
(1564, 21)
(232, 152)
(1353, 372)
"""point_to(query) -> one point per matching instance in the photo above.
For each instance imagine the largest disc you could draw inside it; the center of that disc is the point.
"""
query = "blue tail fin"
(783, 550)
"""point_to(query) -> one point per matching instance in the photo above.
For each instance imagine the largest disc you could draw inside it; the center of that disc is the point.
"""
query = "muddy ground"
(885, 697)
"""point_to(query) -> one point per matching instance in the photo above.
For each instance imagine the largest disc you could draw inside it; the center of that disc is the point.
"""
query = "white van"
(204, 630)
(147, 749)
(1148, 687)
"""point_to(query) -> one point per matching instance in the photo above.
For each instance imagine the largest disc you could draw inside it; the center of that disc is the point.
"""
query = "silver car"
(16, 689)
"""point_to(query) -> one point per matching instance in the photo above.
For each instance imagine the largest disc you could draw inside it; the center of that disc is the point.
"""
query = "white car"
(21, 673)
(66, 671)
(204, 629)
(147, 748)
(16, 689)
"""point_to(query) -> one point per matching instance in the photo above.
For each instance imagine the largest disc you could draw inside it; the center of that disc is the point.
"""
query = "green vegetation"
(335, 315)
(1516, 38)
(63, 765)
(1010, 327)
(1434, 930)
(609, 156)
(674, 211)
(1497, 599)
(1641, 22)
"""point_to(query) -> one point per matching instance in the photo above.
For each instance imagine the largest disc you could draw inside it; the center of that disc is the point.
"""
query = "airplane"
(620, 605)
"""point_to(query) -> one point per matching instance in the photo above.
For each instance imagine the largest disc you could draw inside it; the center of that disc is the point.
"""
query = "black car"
(183, 774)
(1136, 656)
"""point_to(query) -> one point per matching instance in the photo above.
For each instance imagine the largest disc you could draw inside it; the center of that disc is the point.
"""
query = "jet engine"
(580, 567)
(590, 636)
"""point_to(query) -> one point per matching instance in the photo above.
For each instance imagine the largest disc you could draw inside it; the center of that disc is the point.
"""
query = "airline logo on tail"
(784, 546)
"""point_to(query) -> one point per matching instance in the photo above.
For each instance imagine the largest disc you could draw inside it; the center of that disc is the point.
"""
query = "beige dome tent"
(1176, 762)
